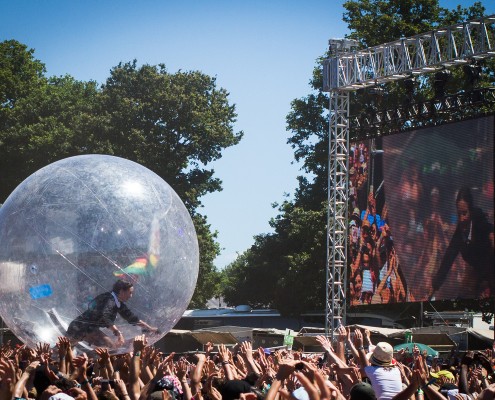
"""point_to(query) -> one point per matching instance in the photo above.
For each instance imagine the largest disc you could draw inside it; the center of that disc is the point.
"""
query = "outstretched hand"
(325, 343)
(139, 343)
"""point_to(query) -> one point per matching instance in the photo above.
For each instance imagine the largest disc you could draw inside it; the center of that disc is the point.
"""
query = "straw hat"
(382, 355)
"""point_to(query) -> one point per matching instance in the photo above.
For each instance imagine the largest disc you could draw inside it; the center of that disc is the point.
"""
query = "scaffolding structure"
(348, 69)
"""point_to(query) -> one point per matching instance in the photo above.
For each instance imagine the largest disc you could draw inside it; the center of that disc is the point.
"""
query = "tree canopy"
(175, 124)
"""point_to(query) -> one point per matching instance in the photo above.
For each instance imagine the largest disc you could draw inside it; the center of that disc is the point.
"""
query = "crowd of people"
(350, 367)
(375, 275)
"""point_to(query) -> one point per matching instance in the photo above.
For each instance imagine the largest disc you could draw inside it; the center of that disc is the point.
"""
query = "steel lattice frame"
(350, 71)
(337, 208)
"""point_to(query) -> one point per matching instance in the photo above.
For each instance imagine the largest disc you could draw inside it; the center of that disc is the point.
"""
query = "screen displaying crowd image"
(421, 215)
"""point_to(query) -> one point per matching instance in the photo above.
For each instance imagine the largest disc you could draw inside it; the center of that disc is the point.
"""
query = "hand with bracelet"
(139, 344)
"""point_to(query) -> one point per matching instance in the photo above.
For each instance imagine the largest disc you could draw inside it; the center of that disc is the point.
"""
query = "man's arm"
(359, 343)
(247, 354)
(448, 259)
(81, 364)
(284, 371)
(342, 336)
(224, 355)
(135, 370)
(197, 373)
(133, 319)
(21, 383)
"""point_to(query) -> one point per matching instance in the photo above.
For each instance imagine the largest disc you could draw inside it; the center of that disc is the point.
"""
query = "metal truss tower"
(347, 70)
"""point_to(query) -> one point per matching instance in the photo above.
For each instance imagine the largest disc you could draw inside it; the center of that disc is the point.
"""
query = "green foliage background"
(174, 124)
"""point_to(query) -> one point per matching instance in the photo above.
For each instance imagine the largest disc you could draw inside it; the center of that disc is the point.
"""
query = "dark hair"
(465, 195)
(121, 285)
(64, 384)
(106, 395)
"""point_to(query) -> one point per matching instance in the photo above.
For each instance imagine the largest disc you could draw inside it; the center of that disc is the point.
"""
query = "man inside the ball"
(102, 313)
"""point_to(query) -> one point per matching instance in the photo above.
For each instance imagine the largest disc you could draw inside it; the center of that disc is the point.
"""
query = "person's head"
(464, 204)
(382, 355)
(65, 384)
(435, 196)
(77, 393)
(52, 392)
(365, 229)
(362, 391)
(374, 231)
(123, 290)
(358, 283)
(443, 376)
(107, 395)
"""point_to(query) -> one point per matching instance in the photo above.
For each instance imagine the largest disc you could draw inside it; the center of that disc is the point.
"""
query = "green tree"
(207, 285)
(373, 22)
(174, 124)
(41, 119)
(286, 269)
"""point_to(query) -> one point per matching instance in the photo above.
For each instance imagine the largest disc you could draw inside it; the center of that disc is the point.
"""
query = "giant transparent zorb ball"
(71, 229)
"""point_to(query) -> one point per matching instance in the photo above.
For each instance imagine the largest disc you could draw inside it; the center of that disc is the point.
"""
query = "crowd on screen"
(433, 249)
(350, 367)
(375, 275)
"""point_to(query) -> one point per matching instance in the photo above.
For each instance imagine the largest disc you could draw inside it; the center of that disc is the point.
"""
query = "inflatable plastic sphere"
(75, 227)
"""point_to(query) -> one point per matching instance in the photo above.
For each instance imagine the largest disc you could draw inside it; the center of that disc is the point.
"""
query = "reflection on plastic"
(38, 292)
(74, 227)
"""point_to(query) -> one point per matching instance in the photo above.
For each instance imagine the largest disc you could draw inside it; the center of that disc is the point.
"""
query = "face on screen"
(463, 214)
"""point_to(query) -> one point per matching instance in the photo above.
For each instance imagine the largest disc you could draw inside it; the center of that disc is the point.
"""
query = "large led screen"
(421, 215)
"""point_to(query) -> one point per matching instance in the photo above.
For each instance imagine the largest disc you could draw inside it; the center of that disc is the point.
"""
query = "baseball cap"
(443, 373)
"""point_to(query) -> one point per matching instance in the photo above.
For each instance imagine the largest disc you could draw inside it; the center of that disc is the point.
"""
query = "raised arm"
(149, 387)
(196, 375)
(341, 338)
(351, 346)
(285, 369)
(135, 367)
(181, 371)
(247, 355)
(359, 343)
(105, 360)
(81, 365)
(325, 343)
(26, 375)
(224, 355)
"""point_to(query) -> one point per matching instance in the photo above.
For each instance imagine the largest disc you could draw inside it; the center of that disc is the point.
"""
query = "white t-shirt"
(386, 381)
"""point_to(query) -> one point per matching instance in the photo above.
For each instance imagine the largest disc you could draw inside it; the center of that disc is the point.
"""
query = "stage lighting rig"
(440, 82)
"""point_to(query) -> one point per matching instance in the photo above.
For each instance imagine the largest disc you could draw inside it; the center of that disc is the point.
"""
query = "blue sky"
(261, 51)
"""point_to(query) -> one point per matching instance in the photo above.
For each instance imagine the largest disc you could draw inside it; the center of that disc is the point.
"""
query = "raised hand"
(358, 338)
(247, 350)
(181, 370)
(139, 343)
(325, 343)
(342, 332)
(103, 354)
(81, 363)
(223, 353)
(208, 348)
(285, 368)
(120, 387)
(7, 374)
